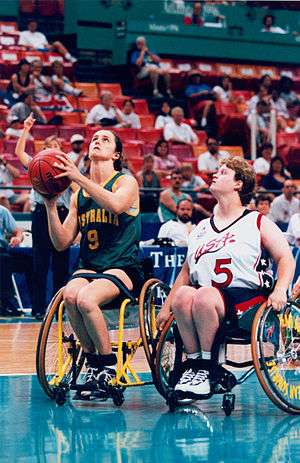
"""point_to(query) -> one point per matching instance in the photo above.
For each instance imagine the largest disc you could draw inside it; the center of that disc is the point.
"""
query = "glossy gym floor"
(34, 429)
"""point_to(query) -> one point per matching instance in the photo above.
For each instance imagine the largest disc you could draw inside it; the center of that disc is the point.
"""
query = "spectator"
(179, 132)
(164, 162)
(210, 159)
(7, 197)
(262, 165)
(15, 130)
(105, 114)
(279, 105)
(293, 230)
(77, 154)
(263, 204)
(268, 22)
(200, 101)
(11, 236)
(164, 116)
(129, 118)
(211, 13)
(178, 229)
(286, 93)
(285, 205)
(262, 116)
(21, 82)
(35, 40)
(277, 175)
(61, 83)
(261, 95)
(223, 91)
(148, 178)
(148, 63)
(170, 197)
(42, 84)
(196, 17)
(192, 182)
(24, 108)
(266, 81)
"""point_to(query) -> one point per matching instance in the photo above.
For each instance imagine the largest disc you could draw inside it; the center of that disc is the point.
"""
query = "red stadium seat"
(148, 148)
(181, 151)
(66, 132)
(27, 6)
(141, 107)
(43, 131)
(23, 180)
(33, 55)
(115, 89)
(149, 135)
(8, 27)
(201, 136)
(87, 103)
(47, 8)
(90, 90)
(9, 146)
(125, 134)
(69, 118)
(147, 121)
(132, 150)
(225, 108)
(135, 164)
(293, 160)
(8, 40)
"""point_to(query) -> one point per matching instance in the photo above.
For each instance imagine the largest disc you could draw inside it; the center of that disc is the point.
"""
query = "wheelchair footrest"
(223, 380)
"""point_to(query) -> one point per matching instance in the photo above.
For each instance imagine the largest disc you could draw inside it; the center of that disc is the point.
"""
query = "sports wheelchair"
(59, 357)
(275, 357)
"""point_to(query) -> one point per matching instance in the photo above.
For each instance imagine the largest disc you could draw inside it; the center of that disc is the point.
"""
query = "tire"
(152, 297)
(275, 346)
(46, 353)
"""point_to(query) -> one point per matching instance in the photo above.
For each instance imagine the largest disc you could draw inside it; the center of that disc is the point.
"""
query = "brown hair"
(245, 173)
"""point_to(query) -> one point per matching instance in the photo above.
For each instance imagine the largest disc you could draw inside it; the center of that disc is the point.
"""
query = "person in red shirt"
(196, 16)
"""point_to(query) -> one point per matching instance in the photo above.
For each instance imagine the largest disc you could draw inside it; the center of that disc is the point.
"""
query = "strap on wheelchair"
(106, 276)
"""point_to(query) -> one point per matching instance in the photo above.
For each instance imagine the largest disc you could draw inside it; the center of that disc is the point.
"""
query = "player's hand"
(15, 241)
(277, 299)
(68, 167)
(162, 318)
(28, 123)
(296, 289)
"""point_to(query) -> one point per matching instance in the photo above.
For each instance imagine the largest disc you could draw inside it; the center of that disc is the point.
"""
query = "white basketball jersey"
(232, 257)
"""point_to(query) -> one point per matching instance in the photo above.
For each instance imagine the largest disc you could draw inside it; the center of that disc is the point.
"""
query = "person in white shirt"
(262, 204)
(105, 114)
(77, 154)
(178, 230)
(35, 40)
(262, 165)
(293, 231)
(285, 205)
(179, 132)
(261, 95)
(164, 117)
(223, 92)
(210, 160)
(129, 117)
(268, 22)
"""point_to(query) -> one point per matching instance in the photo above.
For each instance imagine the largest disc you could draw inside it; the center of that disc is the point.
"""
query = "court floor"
(34, 429)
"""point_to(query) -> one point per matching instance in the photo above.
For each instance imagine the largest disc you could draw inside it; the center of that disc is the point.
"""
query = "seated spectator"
(11, 236)
(269, 25)
(200, 97)
(77, 154)
(280, 106)
(164, 116)
(266, 81)
(148, 178)
(170, 197)
(15, 129)
(277, 175)
(285, 205)
(129, 117)
(178, 229)
(286, 92)
(209, 160)
(192, 182)
(263, 204)
(293, 230)
(196, 17)
(223, 91)
(105, 114)
(262, 164)
(61, 83)
(35, 40)
(24, 108)
(42, 84)
(263, 117)
(7, 197)
(148, 63)
(179, 132)
(20, 83)
(164, 162)
(261, 95)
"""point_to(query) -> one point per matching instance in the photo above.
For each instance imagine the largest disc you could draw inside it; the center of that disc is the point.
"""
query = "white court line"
(17, 374)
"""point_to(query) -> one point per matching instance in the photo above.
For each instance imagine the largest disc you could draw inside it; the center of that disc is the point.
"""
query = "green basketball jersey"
(108, 240)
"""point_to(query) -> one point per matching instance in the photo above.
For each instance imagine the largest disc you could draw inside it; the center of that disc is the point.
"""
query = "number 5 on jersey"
(220, 268)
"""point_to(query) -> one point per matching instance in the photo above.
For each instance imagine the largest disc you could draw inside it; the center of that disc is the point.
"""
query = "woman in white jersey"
(225, 269)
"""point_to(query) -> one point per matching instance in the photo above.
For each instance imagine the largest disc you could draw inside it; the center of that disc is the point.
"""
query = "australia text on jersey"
(98, 216)
(214, 245)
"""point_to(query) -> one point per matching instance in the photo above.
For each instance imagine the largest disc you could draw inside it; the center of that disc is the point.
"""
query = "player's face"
(54, 145)
(103, 146)
(224, 182)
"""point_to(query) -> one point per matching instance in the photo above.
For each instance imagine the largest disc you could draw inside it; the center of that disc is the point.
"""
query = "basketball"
(42, 173)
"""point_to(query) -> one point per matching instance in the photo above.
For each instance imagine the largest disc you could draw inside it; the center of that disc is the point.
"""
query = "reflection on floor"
(34, 429)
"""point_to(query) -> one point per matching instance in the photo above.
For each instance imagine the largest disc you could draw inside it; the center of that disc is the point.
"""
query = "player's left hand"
(68, 167)
(277, 299)
(15, 241)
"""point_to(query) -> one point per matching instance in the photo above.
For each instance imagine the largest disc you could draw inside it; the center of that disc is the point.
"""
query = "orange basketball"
(42, 173)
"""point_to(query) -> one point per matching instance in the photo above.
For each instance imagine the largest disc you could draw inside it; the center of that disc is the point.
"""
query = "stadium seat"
(147, 121)
(8, 40)
(69, 118)
(9, 146)
(125, 134)
(225, 108)
(47, 8)
(148, 148)
(141, 107)
(87, 104)
(14, 161)
(181, 151)
(90, 90)
(135, 164)
(33, 55)
(226, 68)
(202, 136)
(149, 135)
(8, 27)
(115, 89)
(132, 150)
(293, 160)
(66, 132)
(23, 180)
(27, 6)
(41, 132)
(89, 131)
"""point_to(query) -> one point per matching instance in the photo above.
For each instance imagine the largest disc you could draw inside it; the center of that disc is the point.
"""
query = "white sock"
(68, 56)
(206, 355)
(203, 121)
(194, 355)
(111, 367)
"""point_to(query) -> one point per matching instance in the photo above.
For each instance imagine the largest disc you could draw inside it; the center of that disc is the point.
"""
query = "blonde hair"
(48, 142)
(244, 172)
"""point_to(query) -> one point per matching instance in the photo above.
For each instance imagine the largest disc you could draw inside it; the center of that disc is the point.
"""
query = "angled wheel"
(54, 349)
(152, 298)
(169, 357)
(275, 345)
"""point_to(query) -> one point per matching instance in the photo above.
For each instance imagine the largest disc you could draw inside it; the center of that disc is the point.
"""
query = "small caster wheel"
(117, 397)
(60, 397)
(228, 403)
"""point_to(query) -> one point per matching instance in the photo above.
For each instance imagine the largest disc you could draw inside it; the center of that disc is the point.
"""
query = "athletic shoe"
(105, 378)
(185, 380)
(200, 385)
(90, 381)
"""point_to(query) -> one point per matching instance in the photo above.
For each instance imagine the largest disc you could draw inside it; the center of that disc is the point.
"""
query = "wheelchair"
(275, 357)
(59, 357)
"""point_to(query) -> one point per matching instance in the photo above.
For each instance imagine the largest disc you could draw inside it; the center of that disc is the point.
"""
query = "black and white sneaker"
(199, 387)
(185, 380)
(90, 383)
(105, 379)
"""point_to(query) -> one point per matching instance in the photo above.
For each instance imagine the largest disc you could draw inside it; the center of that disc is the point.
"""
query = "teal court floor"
(34, 429)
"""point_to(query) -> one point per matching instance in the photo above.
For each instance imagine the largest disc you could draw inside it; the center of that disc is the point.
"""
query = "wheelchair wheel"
(56, 342)
(152, 298)
(169, 357)
(275, 345)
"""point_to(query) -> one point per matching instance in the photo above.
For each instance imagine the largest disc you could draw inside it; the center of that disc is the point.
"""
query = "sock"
(206, 355)
(203, 121)
(68, 56)
(193, 356)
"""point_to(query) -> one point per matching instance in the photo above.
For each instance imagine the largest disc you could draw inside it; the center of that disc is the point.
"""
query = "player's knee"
(70, 296)
(85, 302)
(204, 299)
(182, 299)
